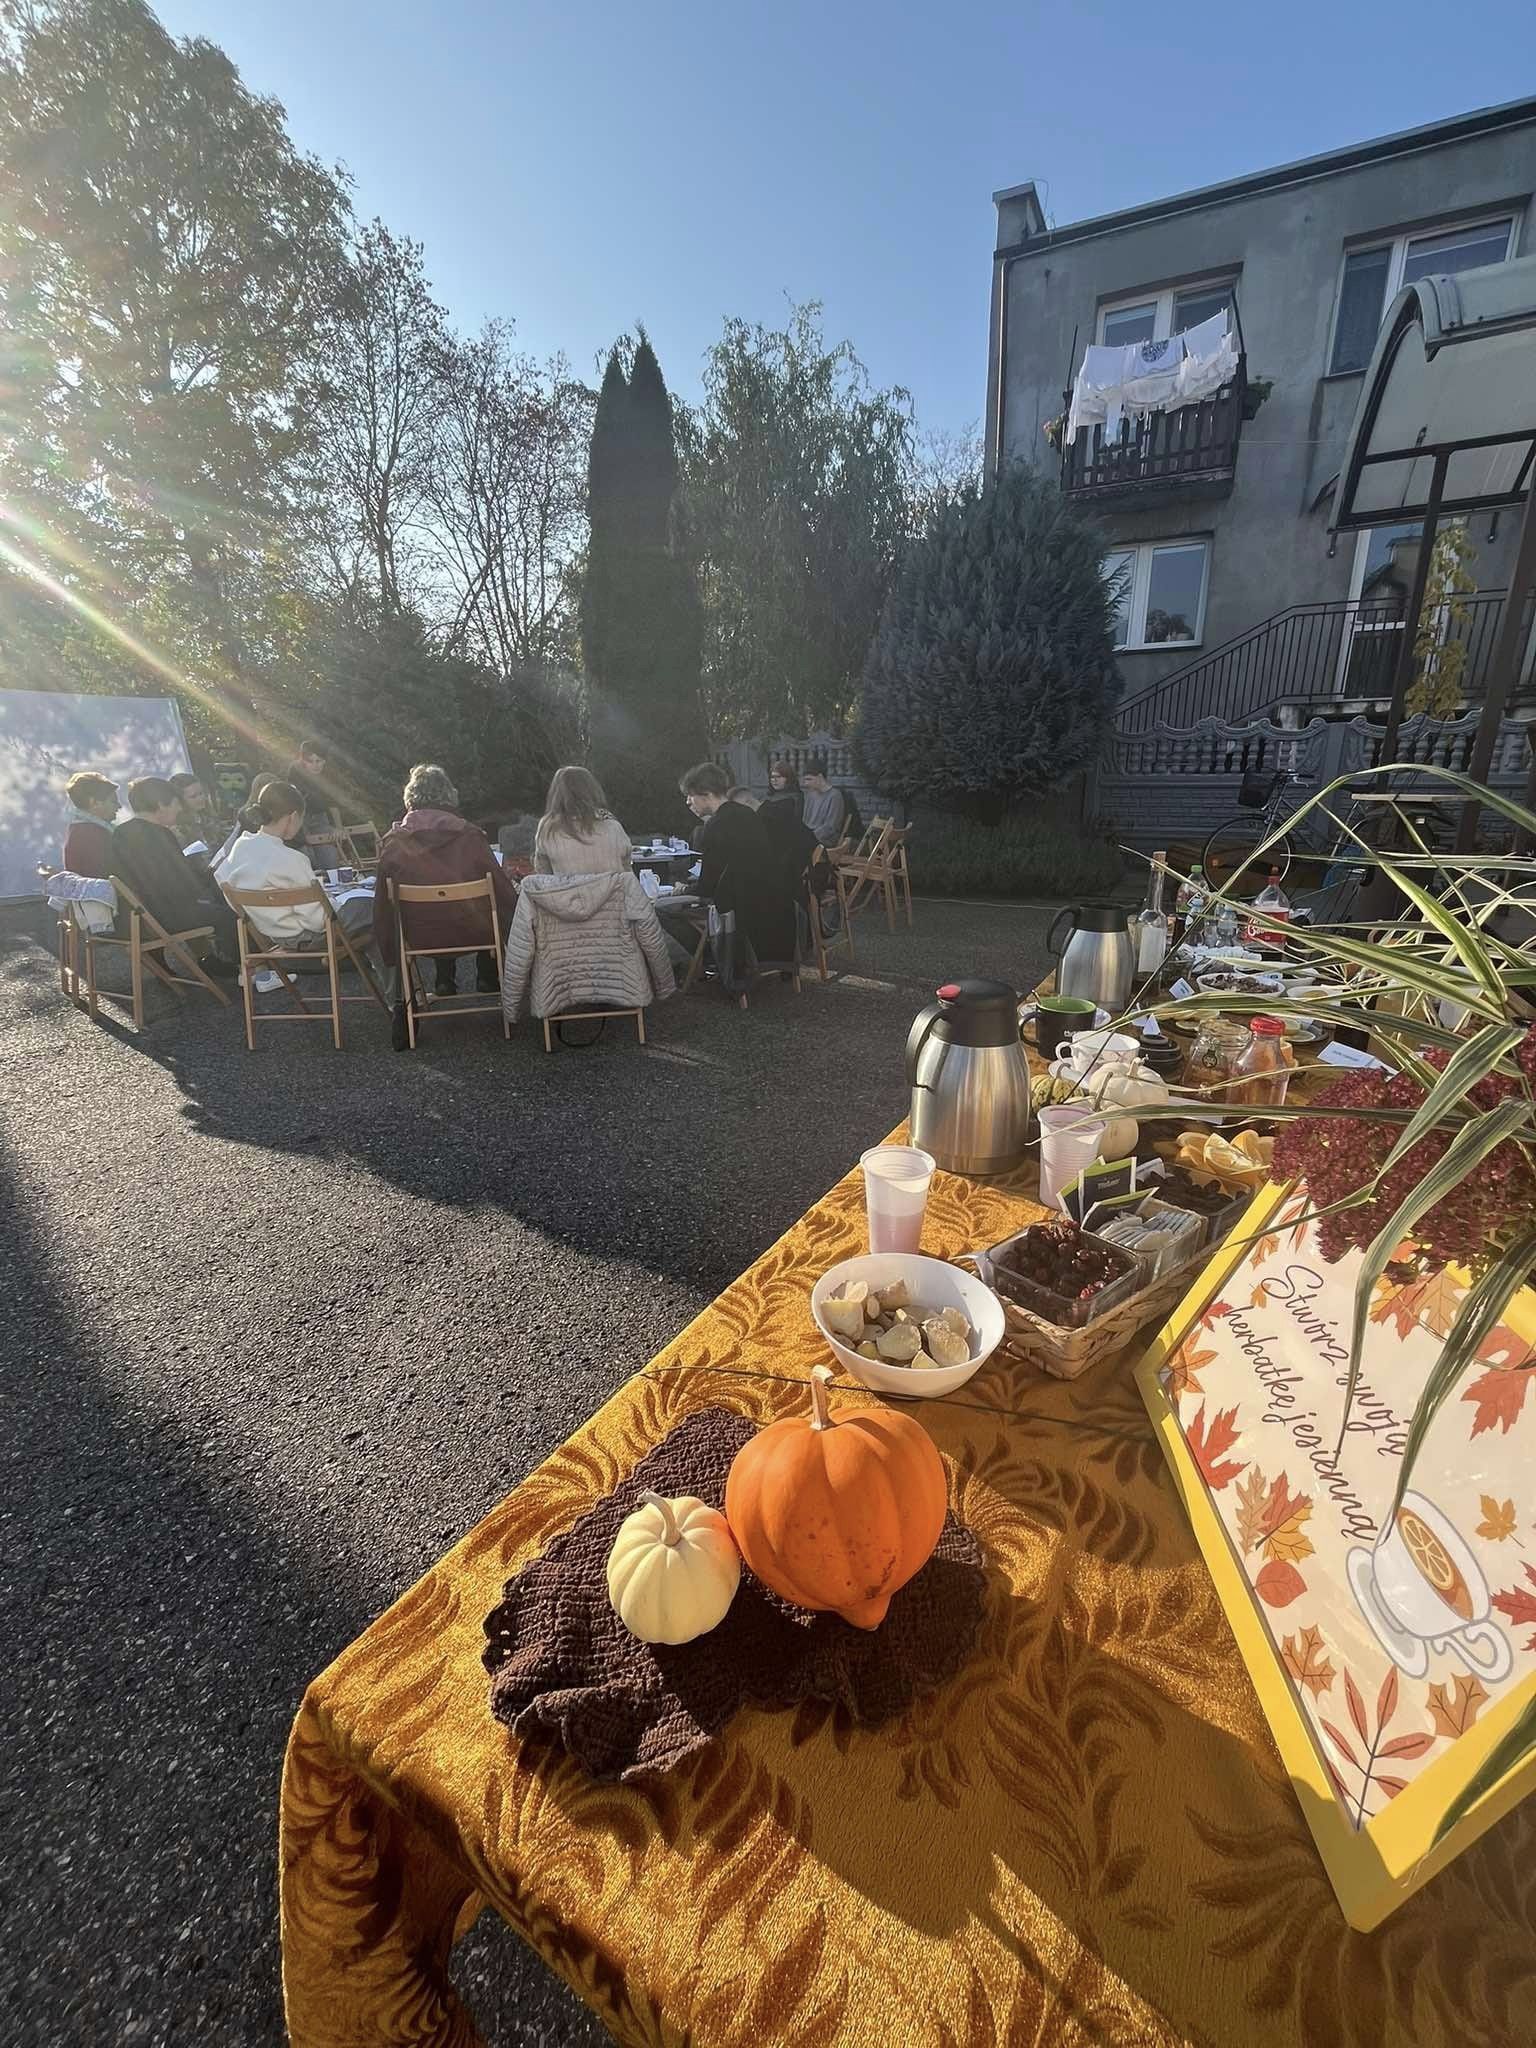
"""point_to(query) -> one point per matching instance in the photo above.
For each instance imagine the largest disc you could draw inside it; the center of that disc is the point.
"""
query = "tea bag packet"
(1105, 1180)
(1160, 1237)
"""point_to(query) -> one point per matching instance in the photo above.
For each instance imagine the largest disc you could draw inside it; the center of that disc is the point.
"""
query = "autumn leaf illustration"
(1498, 1518)
(1252, 1493)
(1209, 1450)
(1432, 1302)
(1266, 1248)
(1260, 1295)
(1518, 1604)
(1453, 1713)
(1213, 1313)
(1307, 1661)
(1501, 1346)
(1279, 1583)
(1343, 1747)
(1498, 1398)
(1376, 1746)
(1184, 1373)
(1283, 1517)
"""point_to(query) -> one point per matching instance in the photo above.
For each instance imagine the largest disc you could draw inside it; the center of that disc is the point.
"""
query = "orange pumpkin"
(837, 1515)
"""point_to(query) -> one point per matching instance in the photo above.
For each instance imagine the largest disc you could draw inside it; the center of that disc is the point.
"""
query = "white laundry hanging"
(1151, 376)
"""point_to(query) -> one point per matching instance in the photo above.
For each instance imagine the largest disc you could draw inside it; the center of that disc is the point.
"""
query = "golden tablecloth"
(1087, 1838)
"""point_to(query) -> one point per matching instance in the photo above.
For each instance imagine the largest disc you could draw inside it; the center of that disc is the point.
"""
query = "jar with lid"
(1218, 1041)
(1261, 1072)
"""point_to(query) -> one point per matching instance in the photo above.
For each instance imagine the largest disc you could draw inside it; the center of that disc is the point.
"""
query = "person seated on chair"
(147, 855)
(304, 773)
(826, 808)
(737, 867)
(578, 834)
(195, 816)
(267, 859)
(784, 793)
(433, 844)
(88, 840)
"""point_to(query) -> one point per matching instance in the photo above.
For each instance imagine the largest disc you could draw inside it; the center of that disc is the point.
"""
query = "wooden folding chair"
(869, 868)
(483, 891)
(360, 846)
(147, 944)
(258, 952)
(586, 1016)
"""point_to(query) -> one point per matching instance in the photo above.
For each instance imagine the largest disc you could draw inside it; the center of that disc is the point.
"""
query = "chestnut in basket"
(1058, 1259)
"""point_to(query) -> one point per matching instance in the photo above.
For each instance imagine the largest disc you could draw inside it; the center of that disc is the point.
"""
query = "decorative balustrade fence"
(1178, 784)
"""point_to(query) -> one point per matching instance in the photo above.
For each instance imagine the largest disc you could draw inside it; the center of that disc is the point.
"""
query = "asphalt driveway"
(277, 1329)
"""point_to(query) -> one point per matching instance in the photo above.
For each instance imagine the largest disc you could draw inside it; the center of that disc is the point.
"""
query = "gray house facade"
(1216, 519)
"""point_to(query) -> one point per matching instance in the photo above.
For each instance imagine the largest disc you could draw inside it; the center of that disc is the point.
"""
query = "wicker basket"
(1030, 1340)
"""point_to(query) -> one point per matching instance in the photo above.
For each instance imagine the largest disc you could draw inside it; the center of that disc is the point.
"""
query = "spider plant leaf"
(1466, 1151)
(1487, 1299)
(1512, 1748)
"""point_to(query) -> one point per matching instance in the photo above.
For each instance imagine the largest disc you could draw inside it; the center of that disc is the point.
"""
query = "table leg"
(370, 1912)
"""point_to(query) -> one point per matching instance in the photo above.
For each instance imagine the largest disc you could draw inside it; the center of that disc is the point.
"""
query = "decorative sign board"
(1391, 1653)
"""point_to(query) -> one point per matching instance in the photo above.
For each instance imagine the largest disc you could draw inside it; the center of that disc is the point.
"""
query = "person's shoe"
(446, 983)
(265, 981)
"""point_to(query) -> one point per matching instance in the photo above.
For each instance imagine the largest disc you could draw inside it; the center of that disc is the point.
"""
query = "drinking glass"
(896, 1179)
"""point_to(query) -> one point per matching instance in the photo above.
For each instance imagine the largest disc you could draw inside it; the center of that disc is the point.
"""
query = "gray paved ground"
(278, 1328)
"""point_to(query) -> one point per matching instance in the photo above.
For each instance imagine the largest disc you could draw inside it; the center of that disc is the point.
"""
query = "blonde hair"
(575, 803)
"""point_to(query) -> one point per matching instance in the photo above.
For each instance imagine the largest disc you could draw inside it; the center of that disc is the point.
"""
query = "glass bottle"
(1218, 1041)
(1261, 1071)
(1152, 923)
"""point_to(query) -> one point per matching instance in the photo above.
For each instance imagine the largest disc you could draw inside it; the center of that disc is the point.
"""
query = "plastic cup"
(1070, 1138)
(896, 1179)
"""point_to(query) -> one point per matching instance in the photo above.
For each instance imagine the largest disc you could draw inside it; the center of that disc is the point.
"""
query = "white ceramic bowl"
(936, 1284)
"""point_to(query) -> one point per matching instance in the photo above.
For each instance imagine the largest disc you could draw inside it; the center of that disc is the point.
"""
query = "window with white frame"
(1373, 276)
(1153, 316)
(1159, 592)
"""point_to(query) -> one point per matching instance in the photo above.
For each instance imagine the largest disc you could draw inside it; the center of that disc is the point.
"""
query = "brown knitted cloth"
(564, 1669)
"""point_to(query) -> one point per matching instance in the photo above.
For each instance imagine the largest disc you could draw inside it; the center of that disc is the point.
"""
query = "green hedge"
(1022, 856)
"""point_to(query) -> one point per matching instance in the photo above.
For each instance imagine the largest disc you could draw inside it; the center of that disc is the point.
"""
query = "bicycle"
(1229, 847)
(1335, 873)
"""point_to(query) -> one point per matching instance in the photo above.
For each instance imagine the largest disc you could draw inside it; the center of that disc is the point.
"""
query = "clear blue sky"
(585, 165)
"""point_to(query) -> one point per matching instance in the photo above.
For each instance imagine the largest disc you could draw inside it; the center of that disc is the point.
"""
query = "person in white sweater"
(260, 860)
(578, 834)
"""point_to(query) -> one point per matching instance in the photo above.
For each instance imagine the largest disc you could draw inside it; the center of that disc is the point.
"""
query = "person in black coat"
(147, 855)
(739, 869)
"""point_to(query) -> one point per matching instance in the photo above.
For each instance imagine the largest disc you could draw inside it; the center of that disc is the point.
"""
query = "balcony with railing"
(1191, 451)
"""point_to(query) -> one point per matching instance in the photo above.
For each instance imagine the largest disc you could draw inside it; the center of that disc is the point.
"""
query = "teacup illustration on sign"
(1421, 1589)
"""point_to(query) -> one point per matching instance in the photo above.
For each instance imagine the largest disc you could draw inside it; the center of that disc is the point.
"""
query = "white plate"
(936, 1284)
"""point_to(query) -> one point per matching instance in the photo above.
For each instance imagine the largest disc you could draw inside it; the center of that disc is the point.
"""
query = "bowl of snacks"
(908, 1325)
(1224, 982)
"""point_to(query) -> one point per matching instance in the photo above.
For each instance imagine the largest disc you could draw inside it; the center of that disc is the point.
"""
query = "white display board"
(45, 737)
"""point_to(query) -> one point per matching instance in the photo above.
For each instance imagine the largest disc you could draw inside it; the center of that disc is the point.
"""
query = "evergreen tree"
(992, 673)
(640, 626)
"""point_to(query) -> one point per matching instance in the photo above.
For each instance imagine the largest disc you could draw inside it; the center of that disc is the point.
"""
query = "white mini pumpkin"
(1115, 1090)
(673, 1569)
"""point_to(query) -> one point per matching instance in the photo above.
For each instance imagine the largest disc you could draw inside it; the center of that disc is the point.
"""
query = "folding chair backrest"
(872, 846)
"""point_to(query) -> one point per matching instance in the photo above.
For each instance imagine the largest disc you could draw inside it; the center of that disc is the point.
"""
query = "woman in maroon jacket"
(88, 841)
(432, 844)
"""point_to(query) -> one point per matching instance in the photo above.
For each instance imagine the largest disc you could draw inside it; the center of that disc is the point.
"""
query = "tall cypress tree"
(640, 620)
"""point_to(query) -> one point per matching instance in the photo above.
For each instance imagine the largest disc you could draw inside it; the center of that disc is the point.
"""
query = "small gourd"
(838, 1515)
(673, 1569)
(1123, 1089)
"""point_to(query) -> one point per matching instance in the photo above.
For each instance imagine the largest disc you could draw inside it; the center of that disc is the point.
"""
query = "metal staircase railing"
(1346, 649)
